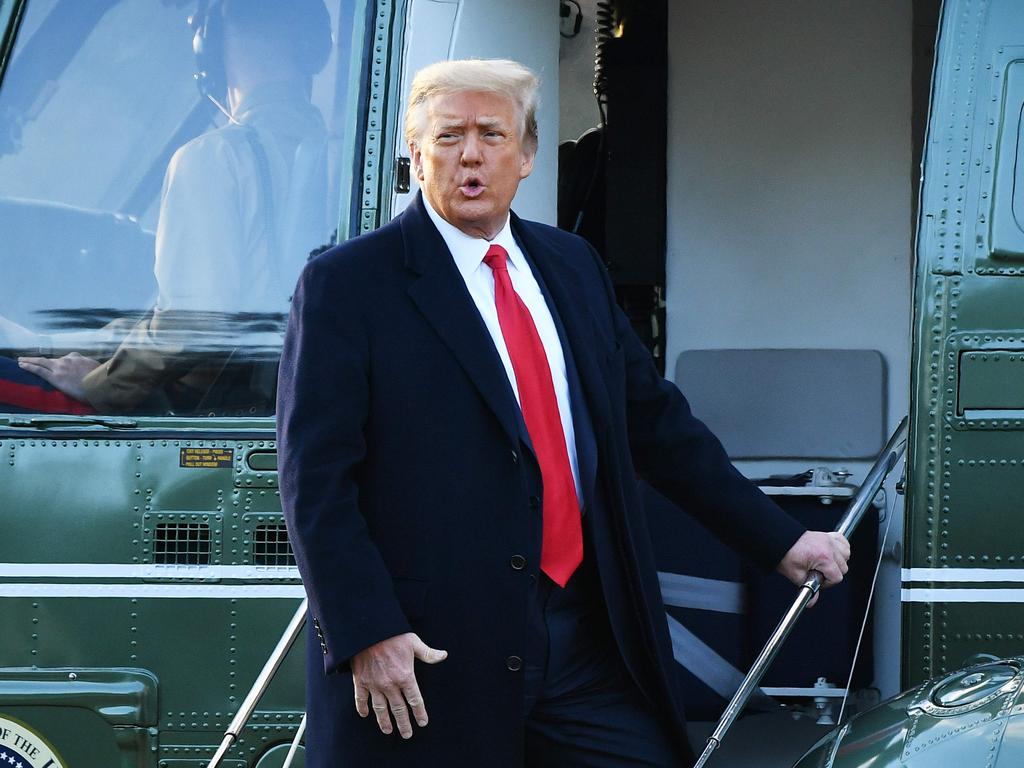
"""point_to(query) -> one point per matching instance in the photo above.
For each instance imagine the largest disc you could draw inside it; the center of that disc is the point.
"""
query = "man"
(463, 412)
(225, 249)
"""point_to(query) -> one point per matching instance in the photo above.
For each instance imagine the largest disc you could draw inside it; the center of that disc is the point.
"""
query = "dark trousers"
(583, 709)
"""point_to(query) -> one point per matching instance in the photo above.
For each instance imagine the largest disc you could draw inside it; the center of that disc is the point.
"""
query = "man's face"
(470, 159)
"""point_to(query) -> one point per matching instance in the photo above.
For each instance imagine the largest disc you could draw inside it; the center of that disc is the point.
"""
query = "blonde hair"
(503, 76)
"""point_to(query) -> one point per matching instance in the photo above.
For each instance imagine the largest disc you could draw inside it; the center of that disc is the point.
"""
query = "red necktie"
(562, 542)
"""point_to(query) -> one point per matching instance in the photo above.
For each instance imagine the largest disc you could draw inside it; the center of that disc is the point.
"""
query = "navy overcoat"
(407, 483)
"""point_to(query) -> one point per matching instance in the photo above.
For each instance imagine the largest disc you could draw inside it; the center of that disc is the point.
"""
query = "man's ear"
(526, 166)
(416, 157)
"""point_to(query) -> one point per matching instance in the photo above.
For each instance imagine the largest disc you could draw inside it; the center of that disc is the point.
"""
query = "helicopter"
(808, 211)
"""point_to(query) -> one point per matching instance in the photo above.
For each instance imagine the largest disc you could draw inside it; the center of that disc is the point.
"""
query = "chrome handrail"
(294, 748)
(885, 463)
(249, 703)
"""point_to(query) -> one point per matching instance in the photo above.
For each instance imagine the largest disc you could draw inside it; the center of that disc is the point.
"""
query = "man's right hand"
(384, 679)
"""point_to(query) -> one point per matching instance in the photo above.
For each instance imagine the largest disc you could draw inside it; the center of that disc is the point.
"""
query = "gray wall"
(789, 178)
(789, 197)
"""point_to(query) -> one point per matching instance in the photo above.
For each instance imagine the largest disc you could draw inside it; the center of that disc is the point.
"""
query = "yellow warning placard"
(207, 458)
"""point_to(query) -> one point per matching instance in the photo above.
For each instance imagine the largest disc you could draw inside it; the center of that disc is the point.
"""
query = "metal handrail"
(294, 748)
(885, 463)
(249, 703)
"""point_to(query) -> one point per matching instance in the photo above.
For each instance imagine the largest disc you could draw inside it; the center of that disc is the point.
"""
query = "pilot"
(240, 210)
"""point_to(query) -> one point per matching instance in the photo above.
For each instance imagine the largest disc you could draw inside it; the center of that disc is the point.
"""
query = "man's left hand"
(826, 553)
(65, 373)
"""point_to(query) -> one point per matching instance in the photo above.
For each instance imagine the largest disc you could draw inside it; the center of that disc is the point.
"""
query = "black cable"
(602, 35)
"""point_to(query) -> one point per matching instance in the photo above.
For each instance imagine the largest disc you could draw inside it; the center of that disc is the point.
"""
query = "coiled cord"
(604, 32)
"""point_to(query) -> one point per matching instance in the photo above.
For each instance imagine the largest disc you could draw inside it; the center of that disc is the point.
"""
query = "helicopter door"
(963, 565)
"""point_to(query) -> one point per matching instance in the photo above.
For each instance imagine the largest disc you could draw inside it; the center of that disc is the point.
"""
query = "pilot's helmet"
(303, 27)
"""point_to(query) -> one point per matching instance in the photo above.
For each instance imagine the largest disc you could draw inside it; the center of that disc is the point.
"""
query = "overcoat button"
(515, 456)
(518, 562)
(534, 502)
(514, 663)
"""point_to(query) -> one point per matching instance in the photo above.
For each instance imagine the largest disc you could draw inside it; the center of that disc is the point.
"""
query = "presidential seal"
(21, 747)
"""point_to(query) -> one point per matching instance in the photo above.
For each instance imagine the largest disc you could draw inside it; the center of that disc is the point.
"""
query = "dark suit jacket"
(407, 485)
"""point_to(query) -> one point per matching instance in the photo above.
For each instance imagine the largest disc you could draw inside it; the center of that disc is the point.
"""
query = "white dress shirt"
(468, 253)
(216, 249)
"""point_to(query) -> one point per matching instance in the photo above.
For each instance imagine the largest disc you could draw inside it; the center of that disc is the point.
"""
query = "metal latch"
(403, 179)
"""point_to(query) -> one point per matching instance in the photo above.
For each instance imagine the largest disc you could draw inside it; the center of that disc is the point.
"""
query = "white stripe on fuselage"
(977, 595)
(963, 575)
(145, 571)
(217, 591)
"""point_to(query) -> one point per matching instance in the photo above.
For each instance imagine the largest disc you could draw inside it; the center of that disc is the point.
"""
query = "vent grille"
(270, 545)
(182, 544)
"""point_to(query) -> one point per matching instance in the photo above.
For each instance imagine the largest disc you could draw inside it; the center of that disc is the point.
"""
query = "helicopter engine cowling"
(971, 717)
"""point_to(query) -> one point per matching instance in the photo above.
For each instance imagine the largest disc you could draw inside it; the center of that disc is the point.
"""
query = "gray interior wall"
(789, 178)
(789, 198)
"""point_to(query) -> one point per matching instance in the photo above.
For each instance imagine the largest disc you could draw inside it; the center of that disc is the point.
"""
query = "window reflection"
(157, 228)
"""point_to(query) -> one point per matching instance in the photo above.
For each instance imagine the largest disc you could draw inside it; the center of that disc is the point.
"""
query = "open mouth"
(472, 187)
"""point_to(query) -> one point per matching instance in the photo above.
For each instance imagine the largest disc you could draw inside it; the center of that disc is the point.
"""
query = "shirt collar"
(468, 251)
(285, 100)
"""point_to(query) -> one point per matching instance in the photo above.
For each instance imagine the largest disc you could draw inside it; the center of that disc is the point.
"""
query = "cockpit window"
(166, 169)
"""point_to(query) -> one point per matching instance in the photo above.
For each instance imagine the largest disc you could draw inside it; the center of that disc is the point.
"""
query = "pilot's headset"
(304, 24)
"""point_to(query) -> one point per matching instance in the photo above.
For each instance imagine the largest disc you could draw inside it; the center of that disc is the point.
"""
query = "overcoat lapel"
(440, 294)
(557, 274)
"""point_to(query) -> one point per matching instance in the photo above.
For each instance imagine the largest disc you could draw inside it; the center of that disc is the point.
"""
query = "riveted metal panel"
(257, 467)
(384, 112)
(1007, 203)
(82, 587)
(991, 381)
(966, 470)
(1013, 744)
(915, 730)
